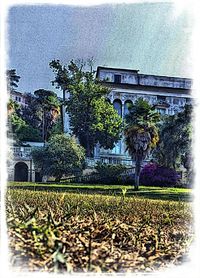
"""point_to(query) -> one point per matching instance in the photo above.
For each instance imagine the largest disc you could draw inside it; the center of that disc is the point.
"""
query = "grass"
(149, 192)
(70, 232)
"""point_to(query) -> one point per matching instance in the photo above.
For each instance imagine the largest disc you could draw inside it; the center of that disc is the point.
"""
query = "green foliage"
(56, 127)
(92, 118)
(175, 134)
(17, 122)
(12, 106)
(142, 114)
(61, 156)
(48, 110)
(109, 173)
(28, 133)
(49, 231)
(42, 112)
(141, 133)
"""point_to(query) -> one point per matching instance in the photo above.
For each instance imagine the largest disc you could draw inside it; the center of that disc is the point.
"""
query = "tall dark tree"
(48, 109)
(41, 112)
(62, 81)
(92, 118)
(141, 133)
(12, 80)
(175, 134)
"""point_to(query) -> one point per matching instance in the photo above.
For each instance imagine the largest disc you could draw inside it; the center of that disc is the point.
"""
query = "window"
(117, 78)
(127, 104)
(176, 101)
(118, 106)
(161, 98)
(162, 111)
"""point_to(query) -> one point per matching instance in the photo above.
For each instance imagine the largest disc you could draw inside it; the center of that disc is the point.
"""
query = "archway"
(127, 104)
(21, 172)
(118, 106)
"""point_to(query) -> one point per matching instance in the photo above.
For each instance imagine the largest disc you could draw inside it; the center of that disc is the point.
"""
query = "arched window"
(127, 104)
(118, 106)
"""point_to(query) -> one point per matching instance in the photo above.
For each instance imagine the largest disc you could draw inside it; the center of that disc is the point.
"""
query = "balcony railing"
(21, 152)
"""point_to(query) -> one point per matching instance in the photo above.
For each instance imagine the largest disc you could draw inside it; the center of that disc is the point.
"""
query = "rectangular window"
(161, 98)
(176, 101)
(162, 111)
(117, 78)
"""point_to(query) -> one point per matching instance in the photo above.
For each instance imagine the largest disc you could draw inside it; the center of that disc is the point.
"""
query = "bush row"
(151, 175)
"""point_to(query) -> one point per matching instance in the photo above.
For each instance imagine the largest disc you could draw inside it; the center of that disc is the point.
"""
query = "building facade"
(167, 94)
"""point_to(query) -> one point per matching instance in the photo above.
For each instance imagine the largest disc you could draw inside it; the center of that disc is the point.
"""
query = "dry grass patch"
(80, 233)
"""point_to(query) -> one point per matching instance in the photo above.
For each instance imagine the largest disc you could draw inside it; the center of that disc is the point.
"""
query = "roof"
(152, 80)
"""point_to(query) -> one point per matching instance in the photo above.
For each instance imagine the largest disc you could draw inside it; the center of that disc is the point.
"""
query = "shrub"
(60, 156)
(109, 173)
(155, 175)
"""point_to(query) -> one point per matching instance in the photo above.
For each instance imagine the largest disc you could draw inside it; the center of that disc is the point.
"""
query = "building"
(18, 97)
(20, 163)
(167, 94)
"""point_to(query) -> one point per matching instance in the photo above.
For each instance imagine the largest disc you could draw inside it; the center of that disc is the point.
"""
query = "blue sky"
(148, 37)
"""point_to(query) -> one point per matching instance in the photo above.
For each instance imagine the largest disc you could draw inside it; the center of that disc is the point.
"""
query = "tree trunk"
(63, 112)
(88, 150)
(58, 178)
(43, 127)
(137, 174)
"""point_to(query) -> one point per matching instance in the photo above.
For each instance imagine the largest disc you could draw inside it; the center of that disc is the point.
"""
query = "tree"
(175, 135)
(34, 122)
(12, 106)
(92, 118)
(41, 112)
(141, 133)
(61, 156)
(18, 127)
(47, 109)
(62, 81)
(12, 80)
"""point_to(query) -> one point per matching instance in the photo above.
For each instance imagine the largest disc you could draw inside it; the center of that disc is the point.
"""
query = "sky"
(149, 37)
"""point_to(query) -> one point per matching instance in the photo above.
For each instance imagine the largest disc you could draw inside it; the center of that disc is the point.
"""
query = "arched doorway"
(21, 172)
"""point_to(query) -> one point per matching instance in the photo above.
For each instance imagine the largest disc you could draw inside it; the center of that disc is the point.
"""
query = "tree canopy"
(60, 156)
(42, 111)
(12, 79)
(92, 118)
(175, 134)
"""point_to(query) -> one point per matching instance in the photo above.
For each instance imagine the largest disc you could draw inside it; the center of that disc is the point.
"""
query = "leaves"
(105, 235)
(61, 156)
(92, 118)
(175, 134)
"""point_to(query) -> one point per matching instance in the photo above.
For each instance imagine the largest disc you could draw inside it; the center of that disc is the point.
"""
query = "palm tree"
(141, 133)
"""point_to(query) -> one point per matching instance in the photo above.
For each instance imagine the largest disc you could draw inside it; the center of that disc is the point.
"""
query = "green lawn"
(150, 192)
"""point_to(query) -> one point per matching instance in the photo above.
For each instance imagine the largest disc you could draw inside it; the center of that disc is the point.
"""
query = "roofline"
(120, 69)
(142, 74)
(140, 86)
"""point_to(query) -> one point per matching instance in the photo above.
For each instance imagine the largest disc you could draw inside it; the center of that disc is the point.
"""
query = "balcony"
(22, 152)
